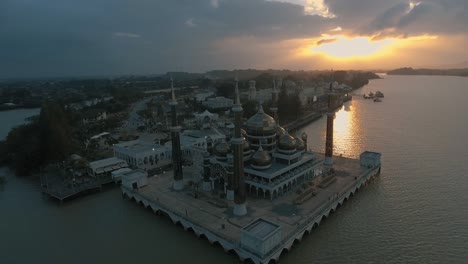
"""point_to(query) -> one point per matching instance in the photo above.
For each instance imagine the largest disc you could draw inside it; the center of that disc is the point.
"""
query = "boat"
(377, 99)
(379, 94)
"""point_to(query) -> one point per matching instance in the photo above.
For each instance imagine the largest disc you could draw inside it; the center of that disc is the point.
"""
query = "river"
(415, 212)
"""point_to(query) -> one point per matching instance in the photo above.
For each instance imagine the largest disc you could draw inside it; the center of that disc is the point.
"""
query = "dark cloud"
(69, 37)
(83, 37)
(395, 18)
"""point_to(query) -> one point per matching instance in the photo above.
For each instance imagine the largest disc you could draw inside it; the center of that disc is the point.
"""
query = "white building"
(143, 155)
(134, 179)
(307, 94)
(218, 103)
(117, 174)
(200, 97)
(261, 236)
(252, 90)
(105, 166)
(206, 119)
(95, 117)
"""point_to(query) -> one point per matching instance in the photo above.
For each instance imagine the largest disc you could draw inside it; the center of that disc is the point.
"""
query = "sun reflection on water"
(346, 133)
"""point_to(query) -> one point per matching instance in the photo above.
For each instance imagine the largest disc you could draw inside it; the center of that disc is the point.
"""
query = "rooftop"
(133, 174)
(138, 146)
(279, 168)
(261, 228)
(106, 163)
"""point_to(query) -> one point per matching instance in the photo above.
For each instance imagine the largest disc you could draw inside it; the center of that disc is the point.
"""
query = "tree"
(55, 133)
(225, 89)
(250, 108)
(283, 104)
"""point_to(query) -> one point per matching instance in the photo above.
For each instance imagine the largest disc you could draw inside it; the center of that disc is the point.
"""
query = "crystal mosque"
(259, 189)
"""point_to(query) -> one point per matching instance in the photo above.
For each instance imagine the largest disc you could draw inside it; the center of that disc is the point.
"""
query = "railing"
(322, 209)
(192, 221)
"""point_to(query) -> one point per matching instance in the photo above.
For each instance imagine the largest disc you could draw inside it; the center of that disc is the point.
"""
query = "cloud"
(38, 40)
(126, 35)
(189, 23)
(325, 41)
(214, 3)
(337, 29)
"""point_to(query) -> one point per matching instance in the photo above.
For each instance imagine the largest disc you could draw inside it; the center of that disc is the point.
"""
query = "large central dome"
(260, 123)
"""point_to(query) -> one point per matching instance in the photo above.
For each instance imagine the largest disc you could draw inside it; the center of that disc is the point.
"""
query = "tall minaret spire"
(274, 102)
(332, 98)
(237, 102)
(176, 152)
(173, 98)
(240, 207)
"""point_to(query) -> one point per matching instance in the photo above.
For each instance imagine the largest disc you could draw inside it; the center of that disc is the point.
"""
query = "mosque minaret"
(178, 183)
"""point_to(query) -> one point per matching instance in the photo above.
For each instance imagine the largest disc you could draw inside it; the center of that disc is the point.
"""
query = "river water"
(415, 212)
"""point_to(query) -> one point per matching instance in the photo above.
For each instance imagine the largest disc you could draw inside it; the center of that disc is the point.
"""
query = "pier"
(62, 189)
(210, 217)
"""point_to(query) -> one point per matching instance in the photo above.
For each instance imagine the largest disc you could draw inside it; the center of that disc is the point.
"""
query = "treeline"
(45, 140)
(411, 71)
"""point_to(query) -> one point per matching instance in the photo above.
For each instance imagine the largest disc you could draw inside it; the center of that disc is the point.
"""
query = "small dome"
(300, 145)
(280, 131)
(246, 146)
(287, 143)
(261, 159)
(222, 149)
(260, 123)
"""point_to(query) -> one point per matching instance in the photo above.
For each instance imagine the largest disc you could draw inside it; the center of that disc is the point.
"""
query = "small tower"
(252, 90)
(240, 207)
(176, 153)
(206, 172)
(304, 138)
(274, 102)
(332, 103)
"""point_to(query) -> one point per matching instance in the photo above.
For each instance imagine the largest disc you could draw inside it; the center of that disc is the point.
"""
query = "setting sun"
(341, 47)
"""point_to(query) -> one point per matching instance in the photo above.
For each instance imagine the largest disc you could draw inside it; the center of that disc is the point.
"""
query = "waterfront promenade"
(210, 217)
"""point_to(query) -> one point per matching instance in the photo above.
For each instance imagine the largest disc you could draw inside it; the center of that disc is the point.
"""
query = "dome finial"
(260, 108)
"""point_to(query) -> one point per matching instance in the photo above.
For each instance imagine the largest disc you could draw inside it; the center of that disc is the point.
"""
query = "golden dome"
(246, 146)
(280, 131)
(287, 143)
(299, 143)
(261, 159)
(260, 123)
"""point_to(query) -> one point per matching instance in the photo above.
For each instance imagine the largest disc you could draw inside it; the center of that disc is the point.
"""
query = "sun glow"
(341, 47)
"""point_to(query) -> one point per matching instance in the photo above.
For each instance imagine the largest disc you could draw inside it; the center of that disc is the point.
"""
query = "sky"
(54, 38)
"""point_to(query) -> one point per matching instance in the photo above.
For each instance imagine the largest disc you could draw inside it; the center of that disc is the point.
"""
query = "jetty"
(271, 227)
(61, 189)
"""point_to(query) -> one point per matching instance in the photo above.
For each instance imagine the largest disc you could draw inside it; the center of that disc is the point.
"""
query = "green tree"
(55, 132)
(283, 104)
(250, 108)
(225, 89)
